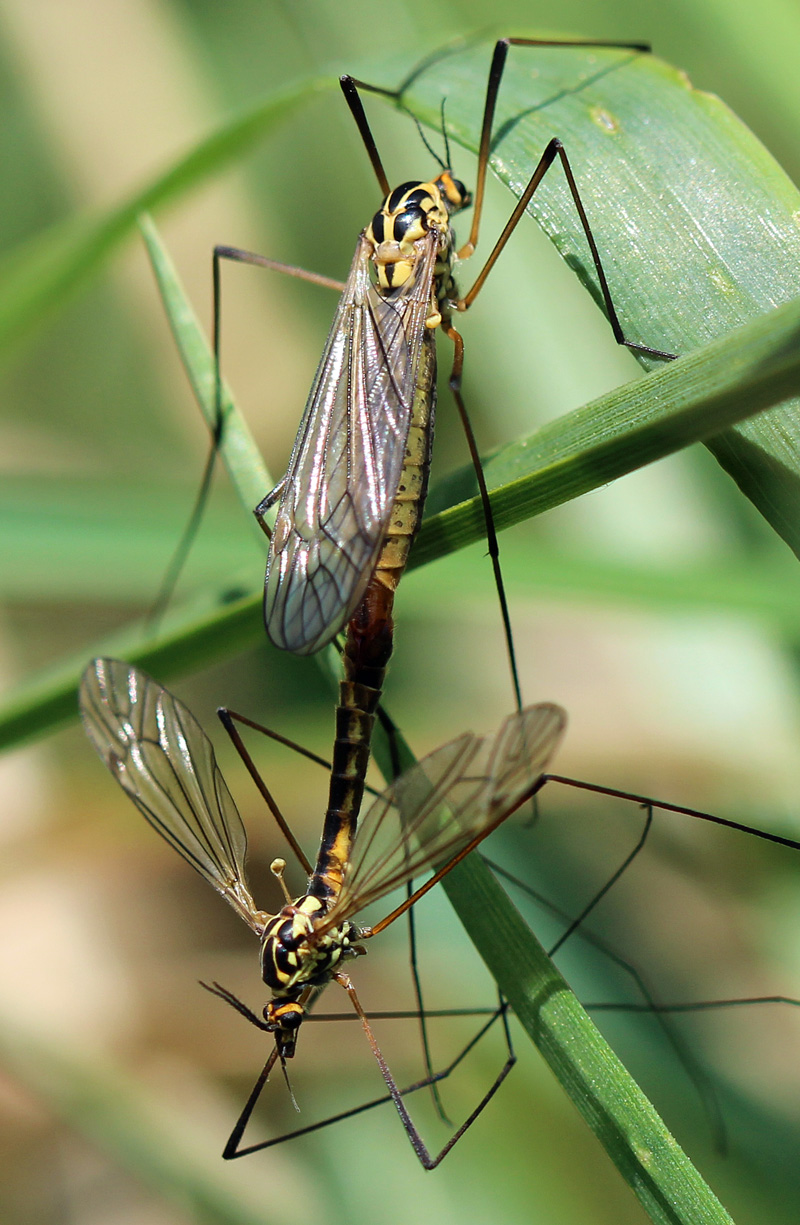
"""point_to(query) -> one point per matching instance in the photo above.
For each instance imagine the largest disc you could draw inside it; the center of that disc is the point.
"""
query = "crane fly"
(345, 493)
(431, 816)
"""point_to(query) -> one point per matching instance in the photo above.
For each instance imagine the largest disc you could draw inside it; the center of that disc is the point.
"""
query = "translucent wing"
(435, 809)
(348, 456)
(162, 758)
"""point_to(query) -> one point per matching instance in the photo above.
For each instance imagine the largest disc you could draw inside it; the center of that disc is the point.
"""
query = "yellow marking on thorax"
(402, 220)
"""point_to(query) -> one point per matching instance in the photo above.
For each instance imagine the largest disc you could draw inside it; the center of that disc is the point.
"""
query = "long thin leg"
(350, 91)
(176, 563)
(226, 718)
(664, 806)
(239, 256)
(694, 1005)
(224, 994)
(426, 1160)
(601, 893)
(293, 744)
(431, 1080)
(232, 1150)
(422, 1016)
(390, 730)
(498, 64)
(695, 1073)
(488, 516)
(555, 149)
(278, 738)
(700, 1079)
(181, 552)
(405, 1014)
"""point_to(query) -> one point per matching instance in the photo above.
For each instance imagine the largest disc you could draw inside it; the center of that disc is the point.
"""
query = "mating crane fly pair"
(350, 505)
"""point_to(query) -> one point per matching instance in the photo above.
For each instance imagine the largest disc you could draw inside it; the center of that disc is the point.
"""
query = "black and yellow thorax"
(294, 955)
(409, 213)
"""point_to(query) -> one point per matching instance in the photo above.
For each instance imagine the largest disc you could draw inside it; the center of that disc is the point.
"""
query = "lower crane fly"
(431, 816)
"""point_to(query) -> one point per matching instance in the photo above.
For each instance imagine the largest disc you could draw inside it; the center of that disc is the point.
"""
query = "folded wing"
(458, 793)
(348, 456)
(163, 760)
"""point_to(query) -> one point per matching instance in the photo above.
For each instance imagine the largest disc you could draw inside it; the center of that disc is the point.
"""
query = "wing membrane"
(348, 456)
(435, 809)
(162, 758)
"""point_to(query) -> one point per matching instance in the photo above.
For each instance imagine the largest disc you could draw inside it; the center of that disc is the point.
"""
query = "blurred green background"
(672, 692)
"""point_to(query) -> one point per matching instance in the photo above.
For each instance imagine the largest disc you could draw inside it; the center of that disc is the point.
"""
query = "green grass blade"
(696, 223)
(663, 1178)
